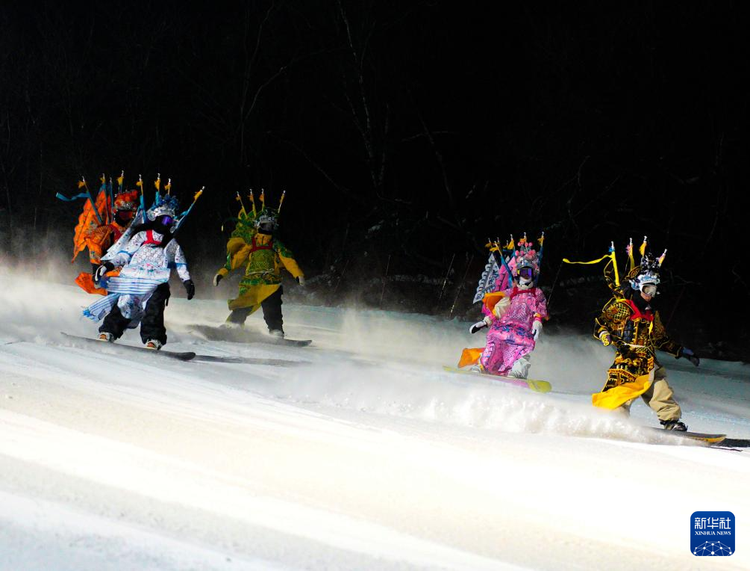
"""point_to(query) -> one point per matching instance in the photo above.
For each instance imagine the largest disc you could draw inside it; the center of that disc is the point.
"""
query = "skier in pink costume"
(515, 321)
(513, 336)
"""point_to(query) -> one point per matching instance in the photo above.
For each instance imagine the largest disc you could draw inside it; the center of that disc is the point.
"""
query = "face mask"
(125, 215)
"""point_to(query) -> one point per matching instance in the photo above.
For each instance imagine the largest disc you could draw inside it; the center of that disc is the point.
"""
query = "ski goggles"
(649, 289)
(526, 273)
(165, 220)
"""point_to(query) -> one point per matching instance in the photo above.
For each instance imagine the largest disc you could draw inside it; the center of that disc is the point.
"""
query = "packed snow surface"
(357, 452)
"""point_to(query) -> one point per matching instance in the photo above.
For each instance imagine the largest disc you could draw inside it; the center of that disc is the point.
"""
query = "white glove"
(301, 280)
(536, 330)
(217, 279)
(501, 307)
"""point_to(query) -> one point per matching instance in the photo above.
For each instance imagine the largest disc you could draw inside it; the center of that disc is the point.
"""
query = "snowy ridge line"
(453, 400)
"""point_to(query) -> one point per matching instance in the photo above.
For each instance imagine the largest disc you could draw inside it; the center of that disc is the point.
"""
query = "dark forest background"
(405, 133)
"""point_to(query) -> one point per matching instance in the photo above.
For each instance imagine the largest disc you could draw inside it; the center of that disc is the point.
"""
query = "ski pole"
(445, 281)
(461, 287)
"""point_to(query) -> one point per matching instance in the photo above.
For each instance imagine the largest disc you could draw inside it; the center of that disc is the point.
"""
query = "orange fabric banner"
(88, 221)
(86, 282)
(490, 300)
(470, 356)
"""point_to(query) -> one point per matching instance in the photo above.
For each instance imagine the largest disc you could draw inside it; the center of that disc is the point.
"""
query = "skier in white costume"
(140, 293)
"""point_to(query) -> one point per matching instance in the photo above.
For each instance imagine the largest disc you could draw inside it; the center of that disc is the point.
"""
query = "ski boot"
(106, 337)
(674, 425)
(154, 344)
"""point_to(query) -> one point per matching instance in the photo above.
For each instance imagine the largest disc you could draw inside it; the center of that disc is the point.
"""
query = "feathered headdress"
(647, 272)
(503, 263)
(165, 205)
(127, 200)
(526, 256)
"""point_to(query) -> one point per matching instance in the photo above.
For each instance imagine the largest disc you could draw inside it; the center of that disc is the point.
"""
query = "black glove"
(477, 326)
(103, 269)
(689, 355)
(189, 288)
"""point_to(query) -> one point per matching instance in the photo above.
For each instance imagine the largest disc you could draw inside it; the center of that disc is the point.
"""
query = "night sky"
(405, 133)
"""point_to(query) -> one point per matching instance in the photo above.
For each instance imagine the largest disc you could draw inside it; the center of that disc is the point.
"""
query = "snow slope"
(357, 452)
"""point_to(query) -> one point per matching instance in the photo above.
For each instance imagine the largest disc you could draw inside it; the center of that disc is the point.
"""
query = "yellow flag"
(238, 198)
(121, 178)
(157, 182)
(567, 261)
(642, 249)
(661, 258)
(82, 182)
(610, 255)
(631, 259)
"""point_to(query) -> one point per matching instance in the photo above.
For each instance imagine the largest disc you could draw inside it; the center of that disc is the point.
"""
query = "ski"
(703, 437)
(534, 385)
(239, 335)
(179, 355)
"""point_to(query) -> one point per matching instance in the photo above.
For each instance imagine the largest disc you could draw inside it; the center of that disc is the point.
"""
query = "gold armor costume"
(637, 335)
(629, 322)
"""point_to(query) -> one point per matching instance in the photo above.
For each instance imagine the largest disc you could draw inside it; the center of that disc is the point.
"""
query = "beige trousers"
(660, 398)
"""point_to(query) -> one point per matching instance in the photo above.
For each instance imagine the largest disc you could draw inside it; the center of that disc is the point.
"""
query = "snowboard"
(250, 361)
(707, 438)
(239, 335)
(179, 355)
(534, 385)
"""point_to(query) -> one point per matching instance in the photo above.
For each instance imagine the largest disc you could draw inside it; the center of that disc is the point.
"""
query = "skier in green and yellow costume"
(254, 247)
